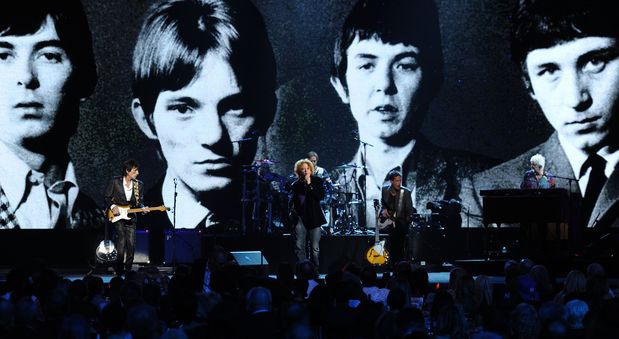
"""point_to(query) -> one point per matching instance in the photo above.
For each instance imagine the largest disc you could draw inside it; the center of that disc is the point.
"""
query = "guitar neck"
(133, 210)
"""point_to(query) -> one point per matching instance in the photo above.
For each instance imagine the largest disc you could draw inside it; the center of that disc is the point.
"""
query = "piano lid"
(514, 192)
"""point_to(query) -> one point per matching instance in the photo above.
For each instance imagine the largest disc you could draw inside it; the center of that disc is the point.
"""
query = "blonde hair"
(297, 165)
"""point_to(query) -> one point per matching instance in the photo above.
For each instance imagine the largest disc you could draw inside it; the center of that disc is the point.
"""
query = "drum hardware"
(261, 193)
(347, 166)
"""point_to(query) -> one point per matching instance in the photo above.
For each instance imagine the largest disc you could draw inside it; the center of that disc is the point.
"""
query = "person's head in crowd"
(567, 51)
(305, 269)
(143, 322)
(524, 322)
(441, 298)
(576, 312)
(27, 311)
(204, 88)
(595, 269)
(7, 318)
(455, 276)
(575, 282)
(174, 333)
(285, 273)
(527, 289)
(540, 274)
(526, 264)
(388, 66)
(552, 311)
(451, 322)
(75, 326)
(47, 67)
(411, 323)
(259, 300)
(397, 299)
(483, 290)
(419, 281)
(369, 276)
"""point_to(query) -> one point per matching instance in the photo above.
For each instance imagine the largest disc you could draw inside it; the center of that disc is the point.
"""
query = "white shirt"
(128, 189)
(34, 207)
(577, 158)
(191, 211)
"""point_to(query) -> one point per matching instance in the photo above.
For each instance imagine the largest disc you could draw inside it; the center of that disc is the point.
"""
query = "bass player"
(397, 205)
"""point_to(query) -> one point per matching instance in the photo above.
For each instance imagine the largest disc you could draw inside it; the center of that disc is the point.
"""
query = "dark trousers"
(397, 244)
(125, 243)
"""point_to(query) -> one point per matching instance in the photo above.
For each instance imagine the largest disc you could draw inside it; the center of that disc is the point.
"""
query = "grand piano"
(505, 206)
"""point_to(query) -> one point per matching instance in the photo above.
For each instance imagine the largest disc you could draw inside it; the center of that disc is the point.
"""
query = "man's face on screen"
(35, 72)
(383, 86)
(197, 124)
(576, 84)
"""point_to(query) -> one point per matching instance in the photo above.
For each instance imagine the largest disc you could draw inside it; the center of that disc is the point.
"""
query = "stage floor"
(481, 251)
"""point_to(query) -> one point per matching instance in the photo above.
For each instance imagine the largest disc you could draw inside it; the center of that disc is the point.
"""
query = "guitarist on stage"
(397, 205)
(125, 190)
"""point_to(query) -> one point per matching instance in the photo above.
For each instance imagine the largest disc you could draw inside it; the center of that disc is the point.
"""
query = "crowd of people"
(215, 297)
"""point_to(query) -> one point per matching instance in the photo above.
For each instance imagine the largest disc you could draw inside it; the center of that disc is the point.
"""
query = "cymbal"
(345, 166)
(266, 161)
(355, 201)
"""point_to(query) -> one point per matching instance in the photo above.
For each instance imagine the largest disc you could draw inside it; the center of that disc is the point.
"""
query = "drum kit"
(266, 202)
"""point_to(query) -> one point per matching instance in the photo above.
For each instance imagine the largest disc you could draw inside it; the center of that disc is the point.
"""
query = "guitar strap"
(399, 206)
(136, 194)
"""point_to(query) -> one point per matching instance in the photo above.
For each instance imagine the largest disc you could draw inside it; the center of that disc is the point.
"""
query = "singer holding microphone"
(537, 176)
(306, 214)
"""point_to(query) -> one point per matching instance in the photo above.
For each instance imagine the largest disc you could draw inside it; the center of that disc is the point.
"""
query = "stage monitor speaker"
(249, 258)
(182, 246)
(253, 259)
(141, 255)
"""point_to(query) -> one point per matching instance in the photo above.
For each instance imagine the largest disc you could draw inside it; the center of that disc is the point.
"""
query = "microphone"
(252, 135)
(242, 140)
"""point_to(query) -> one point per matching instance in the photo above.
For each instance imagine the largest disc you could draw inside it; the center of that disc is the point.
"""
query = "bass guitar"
(125, 210)
(377, 254)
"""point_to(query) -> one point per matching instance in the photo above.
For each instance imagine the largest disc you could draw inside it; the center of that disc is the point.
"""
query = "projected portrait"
(570, 67)
(387, 68)
(204, 91)
(47, 67)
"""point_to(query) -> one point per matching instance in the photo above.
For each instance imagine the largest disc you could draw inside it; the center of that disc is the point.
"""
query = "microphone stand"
(571, 203)
(365, 186)
(174, 226)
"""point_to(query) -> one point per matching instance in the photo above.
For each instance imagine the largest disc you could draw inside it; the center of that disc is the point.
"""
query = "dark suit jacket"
(405, 210)
(115, 194)
(509, 175)
(311, 214)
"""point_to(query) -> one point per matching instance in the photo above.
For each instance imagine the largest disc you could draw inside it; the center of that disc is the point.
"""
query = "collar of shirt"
(192, 211)
(577, 158)
(14, 174)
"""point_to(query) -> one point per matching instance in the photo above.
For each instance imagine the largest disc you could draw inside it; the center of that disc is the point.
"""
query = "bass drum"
(106, 252)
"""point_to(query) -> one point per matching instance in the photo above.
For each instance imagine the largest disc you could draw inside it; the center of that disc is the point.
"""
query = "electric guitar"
(377, 254)
(381, 221)
(125, 210)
